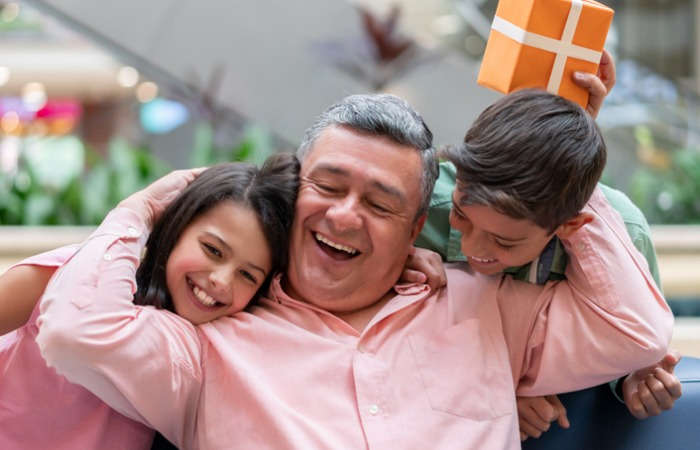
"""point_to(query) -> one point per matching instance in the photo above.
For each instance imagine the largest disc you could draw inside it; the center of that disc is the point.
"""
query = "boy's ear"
(570, 226)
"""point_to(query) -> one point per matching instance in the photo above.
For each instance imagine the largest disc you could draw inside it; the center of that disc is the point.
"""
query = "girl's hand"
(152, 201)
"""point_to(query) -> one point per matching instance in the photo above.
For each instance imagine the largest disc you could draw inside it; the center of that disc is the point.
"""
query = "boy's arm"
(607, 319)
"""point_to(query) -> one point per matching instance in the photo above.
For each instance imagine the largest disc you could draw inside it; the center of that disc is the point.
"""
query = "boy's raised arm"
(607, 319)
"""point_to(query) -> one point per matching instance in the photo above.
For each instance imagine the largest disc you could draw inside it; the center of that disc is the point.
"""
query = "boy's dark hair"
(531, 155)
(270, 192)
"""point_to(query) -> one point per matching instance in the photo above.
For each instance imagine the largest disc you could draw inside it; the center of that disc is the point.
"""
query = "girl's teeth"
(203, 297)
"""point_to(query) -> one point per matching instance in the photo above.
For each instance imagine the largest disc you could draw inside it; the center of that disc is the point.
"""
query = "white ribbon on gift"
(563, 48)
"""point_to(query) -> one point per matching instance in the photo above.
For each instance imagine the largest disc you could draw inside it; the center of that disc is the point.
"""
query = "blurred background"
(99, 98)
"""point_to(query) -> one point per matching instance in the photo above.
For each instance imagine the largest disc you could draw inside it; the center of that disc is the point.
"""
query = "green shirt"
(437, 235)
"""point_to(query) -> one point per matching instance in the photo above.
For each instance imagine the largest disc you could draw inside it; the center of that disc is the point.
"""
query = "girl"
(209, 253)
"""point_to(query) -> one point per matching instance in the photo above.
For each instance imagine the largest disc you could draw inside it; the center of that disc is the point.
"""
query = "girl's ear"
(570, 226)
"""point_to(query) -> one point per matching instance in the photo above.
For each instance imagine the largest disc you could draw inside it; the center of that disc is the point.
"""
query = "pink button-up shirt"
(430, 370)
(40, 409)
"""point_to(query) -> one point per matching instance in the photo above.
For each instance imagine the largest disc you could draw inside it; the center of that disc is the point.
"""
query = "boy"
(521, 178)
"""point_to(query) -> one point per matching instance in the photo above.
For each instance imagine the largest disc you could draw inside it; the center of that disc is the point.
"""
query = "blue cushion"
(600, 422)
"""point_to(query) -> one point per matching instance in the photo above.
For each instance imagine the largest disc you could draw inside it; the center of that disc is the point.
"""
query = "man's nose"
(344, 214)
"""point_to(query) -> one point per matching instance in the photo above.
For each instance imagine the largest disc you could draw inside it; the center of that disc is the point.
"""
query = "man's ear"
(566, 229)
(417, 227)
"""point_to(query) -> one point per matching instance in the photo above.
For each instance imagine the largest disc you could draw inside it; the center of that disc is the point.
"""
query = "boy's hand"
(653, 389)
(536, 413)
(152, 201)
(598, 85)
(424, 266)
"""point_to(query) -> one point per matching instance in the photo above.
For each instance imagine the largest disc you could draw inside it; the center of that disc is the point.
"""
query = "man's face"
(493, 241)
(354, 222)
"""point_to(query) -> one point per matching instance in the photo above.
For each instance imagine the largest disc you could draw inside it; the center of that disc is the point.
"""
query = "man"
(337, 355)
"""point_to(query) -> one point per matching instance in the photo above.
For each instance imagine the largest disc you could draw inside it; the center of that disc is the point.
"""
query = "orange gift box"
(540, 43)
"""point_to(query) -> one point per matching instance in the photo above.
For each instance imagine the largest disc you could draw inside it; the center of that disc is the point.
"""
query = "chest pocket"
(462, 373)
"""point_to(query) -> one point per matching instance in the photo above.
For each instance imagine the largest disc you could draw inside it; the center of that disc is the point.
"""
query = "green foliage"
(668, 193)
(49, 187)
(59, 182)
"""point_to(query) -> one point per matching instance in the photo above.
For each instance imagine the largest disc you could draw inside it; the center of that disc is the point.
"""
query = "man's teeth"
(336, 246)
(203, 297)
(482, 260)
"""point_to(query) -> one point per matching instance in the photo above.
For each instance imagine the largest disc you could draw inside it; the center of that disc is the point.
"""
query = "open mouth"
(202, 297)
(334, 249)
(483, 260)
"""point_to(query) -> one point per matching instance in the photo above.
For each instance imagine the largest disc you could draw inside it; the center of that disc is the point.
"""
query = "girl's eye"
(212, 250)
(249, 276)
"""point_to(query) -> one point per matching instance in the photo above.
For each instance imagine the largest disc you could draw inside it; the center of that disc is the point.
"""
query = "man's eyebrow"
(228, 249)
(339, 171)
(455, 205)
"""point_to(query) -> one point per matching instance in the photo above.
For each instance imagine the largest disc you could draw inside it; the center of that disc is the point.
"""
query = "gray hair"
(386, 116)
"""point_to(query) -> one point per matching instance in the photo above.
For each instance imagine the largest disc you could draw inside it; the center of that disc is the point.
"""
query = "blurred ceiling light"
(146, 91)
(4, 75)
(161, 116)
(9, 12)
(447, 24)
(34, 96)
(9, 122)
(127, 77)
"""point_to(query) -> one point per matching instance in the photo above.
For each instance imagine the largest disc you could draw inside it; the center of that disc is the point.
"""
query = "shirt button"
(581, 246)
(107, 257)
(374, 409)
(133, 232)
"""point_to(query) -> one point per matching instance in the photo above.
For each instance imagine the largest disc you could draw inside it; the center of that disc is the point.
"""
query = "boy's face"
(493, 241)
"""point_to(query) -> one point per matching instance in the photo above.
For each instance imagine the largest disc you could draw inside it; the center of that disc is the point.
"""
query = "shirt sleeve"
(143, 362)
(607, 319)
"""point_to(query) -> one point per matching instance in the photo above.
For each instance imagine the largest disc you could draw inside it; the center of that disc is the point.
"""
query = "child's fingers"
(413, 276)
(670, 360)
(650, 403)
(670, 381)
(606, 70)
(532, 417)
(636, 407)
(562, 419)
(530, 430)
(663, 397)
(544, 409)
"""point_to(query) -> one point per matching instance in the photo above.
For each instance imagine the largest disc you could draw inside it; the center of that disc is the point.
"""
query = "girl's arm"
(21, 288)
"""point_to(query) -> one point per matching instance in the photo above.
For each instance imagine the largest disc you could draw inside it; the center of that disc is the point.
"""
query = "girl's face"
(218, 263)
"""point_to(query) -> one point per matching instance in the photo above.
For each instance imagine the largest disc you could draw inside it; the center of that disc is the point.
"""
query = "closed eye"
(212, 250)
(504, 246)
(327, 188)
(247, 275)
